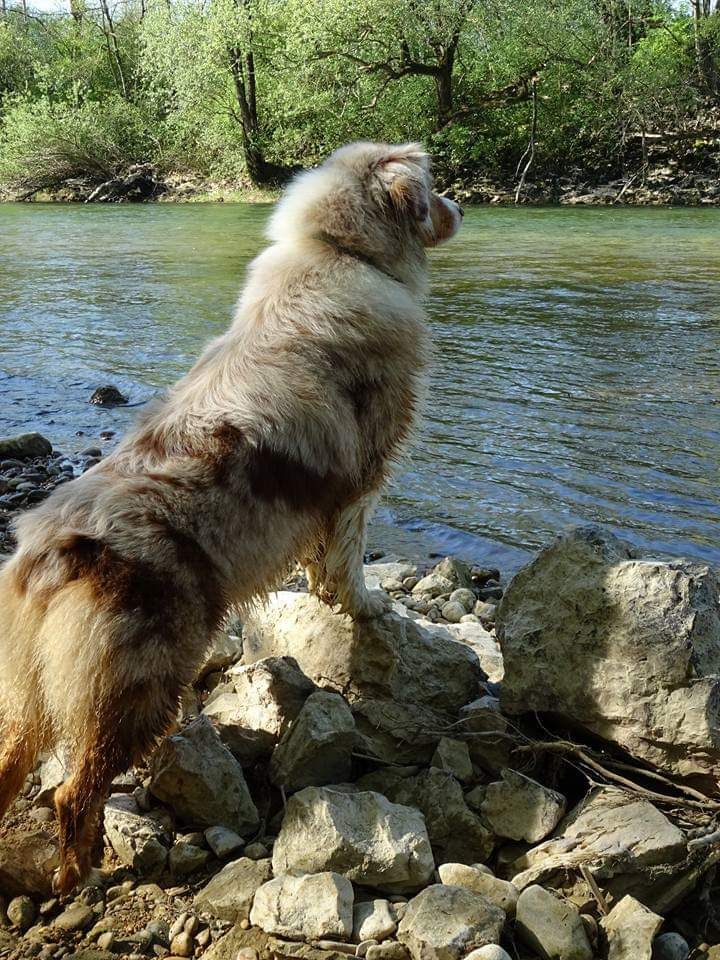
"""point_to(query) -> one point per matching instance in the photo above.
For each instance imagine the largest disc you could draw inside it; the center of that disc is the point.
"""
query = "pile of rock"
(525, 778)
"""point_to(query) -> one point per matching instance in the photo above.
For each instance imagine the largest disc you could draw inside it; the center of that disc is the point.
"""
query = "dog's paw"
(65, 879)
(370, 606)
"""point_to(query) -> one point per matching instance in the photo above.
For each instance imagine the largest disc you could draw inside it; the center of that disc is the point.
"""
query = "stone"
(483, 715)
(458, 573)
(433, 585)
(317, 748)
(376, 573)
(372, 920)
(197, 776)
(390, 950)
(255, 709)
(309, 907)
(519, 808)
(630, 929)
(670, 946)
(360, 835)
(491, 951)
(76, 917)
(186, 858)
(393, 732)
(25, 446)
(457, 834)
(389, 657)
(53, 771)
(108, 396)
(551, 927)
(500, 892)
(229, 895)
(482, 643)
(256, 851)
(27, 862)
(627, 646)
(452, 611)
(620, 839)
(141, 840)
(445, 923)
(465, 597)
(223, 842)
(225, 650)
(182, 945)
(453, 757)
(21, 912)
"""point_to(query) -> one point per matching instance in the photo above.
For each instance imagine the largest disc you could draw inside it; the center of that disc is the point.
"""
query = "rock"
(456, 833)
(500, 892)
(27, 862)
(625, 645)
(389, 657)
(453, 757)
(670, 946)
(490, 951)
(76, 917)
(229, 895)
(199, 778)
(108, 396)
(256, 851)
(376, 573)
(361, 835)
(521, 809)
(223, 842)
(53, 771)
(397, 732)
(21, 912)
(263, 700)
(225, 650)
(186, 858)
(141, 840)
(445, 923)
(372, 920)
(464, 597)
(25, 446)
(458, 573)
(621, 839)
(390, 950)
(311, 907)
(317, 749)
(182, 945)
(630, 929)
(483, 716)
(433, 585)
(483, 645)
(452, 611)
(551, 927)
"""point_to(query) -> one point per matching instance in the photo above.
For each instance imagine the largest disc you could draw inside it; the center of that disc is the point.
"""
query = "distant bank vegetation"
(247, 90)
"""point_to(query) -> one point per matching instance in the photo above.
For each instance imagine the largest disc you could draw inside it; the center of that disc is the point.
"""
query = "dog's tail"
(22, 725)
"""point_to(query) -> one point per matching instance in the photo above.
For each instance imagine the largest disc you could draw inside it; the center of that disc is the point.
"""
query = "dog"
(270, 451)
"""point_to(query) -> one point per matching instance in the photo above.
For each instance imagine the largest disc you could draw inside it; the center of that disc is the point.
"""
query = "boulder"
(627, 646)
(140, 839)
(453, 757)
(223, 842)
(445, 923)
(310, 907)
(627, 844)
(187, 858)
(500, 892)
(225, 650)
(458, 573)
(372, 920)
(433, 585)
(377, 573)
(670, 946)
(551, 926)
(360, 835)
(230, 893)
(490, 951)
(26, 446)
(195, 774)
(389, 657)
(519, 808)
(629, 930)
(397, 732)
(317, 749)
(27, 862)
(483, 644)
(254, 710)
(456, 833)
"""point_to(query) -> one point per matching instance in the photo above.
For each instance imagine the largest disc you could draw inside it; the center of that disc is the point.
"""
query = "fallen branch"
(530, 150)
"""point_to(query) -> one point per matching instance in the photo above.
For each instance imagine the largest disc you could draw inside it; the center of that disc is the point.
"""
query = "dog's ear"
(404, 173)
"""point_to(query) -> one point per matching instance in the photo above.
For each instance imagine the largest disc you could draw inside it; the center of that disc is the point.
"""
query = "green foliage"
(210, 85)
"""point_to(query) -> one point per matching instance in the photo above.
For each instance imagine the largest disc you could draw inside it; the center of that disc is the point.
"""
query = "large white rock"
(360, 835)
(257, 706)
(520, 808)
(389, 657)
(621, 839)
(372, 920)
(141, 840)
(311, 907)
(500, 892)
(483, 644)
(376, 573)
(627, 646)
(317, 749)
(230, 893)
(630, 929)
(551, 927)
(445, 923)
(195, 774)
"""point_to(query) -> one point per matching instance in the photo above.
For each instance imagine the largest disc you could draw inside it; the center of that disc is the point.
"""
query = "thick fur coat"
(271, 450)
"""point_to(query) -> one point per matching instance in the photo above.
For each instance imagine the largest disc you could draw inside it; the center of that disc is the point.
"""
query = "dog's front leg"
(344, 579)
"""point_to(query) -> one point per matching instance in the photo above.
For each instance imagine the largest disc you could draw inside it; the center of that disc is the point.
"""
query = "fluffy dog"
(271, 450)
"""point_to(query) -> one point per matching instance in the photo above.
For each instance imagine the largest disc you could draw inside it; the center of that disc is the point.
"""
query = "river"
(576, 375)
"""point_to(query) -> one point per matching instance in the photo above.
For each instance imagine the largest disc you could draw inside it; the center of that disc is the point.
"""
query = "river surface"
(576, 377)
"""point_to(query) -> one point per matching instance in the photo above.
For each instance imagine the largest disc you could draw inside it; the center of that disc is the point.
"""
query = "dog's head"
(369, 197)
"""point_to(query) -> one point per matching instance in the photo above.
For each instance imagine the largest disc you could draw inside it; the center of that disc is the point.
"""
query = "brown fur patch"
(274, 477)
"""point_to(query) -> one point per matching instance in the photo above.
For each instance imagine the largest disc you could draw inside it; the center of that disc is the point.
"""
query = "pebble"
(78, 916)
(182, 945)
(670, 946)
(224, 842)
(21, 912)
(256, 851)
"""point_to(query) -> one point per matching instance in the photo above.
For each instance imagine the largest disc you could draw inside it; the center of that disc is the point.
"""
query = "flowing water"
(576, 377)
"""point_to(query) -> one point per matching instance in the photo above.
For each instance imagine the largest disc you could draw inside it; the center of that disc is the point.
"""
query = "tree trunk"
(708, 79)
(114, 46)
(444, 82)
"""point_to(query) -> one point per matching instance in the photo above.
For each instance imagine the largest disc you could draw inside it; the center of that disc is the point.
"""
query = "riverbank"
(504, 777)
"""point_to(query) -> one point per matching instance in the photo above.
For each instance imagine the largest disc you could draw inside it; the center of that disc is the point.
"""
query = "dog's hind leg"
(17, 759)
